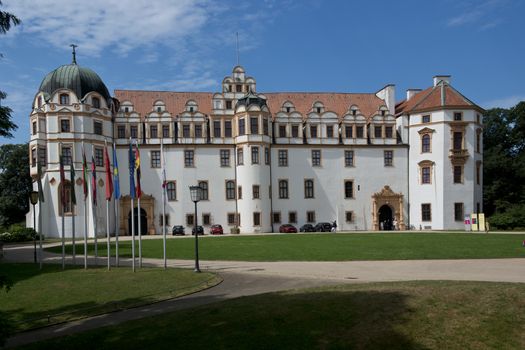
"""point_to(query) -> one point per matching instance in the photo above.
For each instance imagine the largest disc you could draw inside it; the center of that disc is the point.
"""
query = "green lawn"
(332, 247)
(414, 315)
(75, 292)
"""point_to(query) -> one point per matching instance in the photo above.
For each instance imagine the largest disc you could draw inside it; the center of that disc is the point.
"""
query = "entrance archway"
(385, 218)
(143, 221)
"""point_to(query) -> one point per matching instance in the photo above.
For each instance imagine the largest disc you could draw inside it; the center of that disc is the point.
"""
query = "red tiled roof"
(175, 102)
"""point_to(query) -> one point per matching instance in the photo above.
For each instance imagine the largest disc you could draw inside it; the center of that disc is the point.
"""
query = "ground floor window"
(276, 217)
(189, 220)
(256, 219)
(458, 212)
(310, 216)
(349, 215)
(426, 213)
(292, 217)
(206, 219)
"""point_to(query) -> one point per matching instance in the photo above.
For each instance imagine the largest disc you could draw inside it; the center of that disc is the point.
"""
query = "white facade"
(265, 159)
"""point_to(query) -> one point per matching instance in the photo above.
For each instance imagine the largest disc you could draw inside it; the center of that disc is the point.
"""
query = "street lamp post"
(33, 197)
(196, 195)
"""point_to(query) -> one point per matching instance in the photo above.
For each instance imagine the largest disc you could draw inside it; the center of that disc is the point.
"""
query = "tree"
(15, 183)
(6, 125)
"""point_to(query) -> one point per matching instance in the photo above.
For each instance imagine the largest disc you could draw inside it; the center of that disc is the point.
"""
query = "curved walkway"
(250, 278)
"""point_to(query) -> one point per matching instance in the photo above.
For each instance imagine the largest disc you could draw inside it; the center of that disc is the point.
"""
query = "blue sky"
(288, 45)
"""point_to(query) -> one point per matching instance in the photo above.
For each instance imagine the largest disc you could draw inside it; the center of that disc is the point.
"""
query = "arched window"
(425, 172)
(65, 204)
(425, 143)
(283, 188)
(204, 186)
(64, 99)
(171, 190)
(230, 189)
(308, 188)
(95, 101)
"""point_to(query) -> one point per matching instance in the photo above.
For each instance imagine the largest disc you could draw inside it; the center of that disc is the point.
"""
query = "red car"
(287, 228)
(216, 230)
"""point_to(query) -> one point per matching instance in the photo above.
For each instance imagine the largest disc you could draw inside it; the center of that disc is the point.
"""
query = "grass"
(414, 315)
(331, 247)
(75, 293)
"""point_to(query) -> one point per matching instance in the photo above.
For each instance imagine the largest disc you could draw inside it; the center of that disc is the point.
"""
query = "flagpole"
(73, 207)
(133, 234)
(73, 226)
(62, 195)
(107, 205)
(84, 187)
(40, 233)
(139, 214)
(93, 201)
(132, 196)
(163, 203)
(117, 224)
(117, 202)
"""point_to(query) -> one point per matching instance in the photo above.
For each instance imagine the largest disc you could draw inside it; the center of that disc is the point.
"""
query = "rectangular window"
(189, 158)
(153, 132)
(198, 131)
(206, 219)
(282, 130)
(283, 157)
(133, 131)
(65, 125)
(256, 219)
(276, 217)
(425, 118)
(349, 189)
(121, 131)
(425, 175)
(255, 155)
(458, 116)
(283, 189)
(292, 217)
(459, 214)
(204, 186)
(313, 131)
(295, 130)
(377, 132)
(186, 130)
(308, 188)
(228, 104)
(33, 125)
(231, 218)
(265, 126)
(458, 174)
(67, 157)
(230, 189)
(155, 159)
(266, 156)
(478, 174)
(239, 192)
(310, 216)
(478, 142)
(42, 156)
(349, 132)
(256, 191)
(171, 191)
(228, 128)
(360, 132)
(33, 157)
(389, 158)
(254, 125)
(225, 157)
(458, 140)
(165, 131)
(242, 129)
(426, 213)
(217, 128)
(388, 132)
(349, 158)
(329, 131)
(189, 220)
(167, 219)
(97, 127)
(99, 156)
(240, 156)
(349, 216)
(316, 157)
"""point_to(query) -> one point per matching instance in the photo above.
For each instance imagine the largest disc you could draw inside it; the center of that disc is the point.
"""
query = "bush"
(6, 237)
(18, 233)
(513, 218)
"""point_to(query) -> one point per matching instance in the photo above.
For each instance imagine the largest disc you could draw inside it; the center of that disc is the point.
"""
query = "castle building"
(262, 159)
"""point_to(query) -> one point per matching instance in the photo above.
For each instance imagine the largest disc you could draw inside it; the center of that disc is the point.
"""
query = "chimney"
(438, 78)
(411, 93)
(388, 94)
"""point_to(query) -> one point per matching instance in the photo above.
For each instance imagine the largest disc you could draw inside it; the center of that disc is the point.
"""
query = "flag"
(137, 167)
(39, 183)
(62, 182)
(131, 172)
(94, 178)
(109, 180)
(84, 173)
(72, 176)
(116, 182)
(164, 183)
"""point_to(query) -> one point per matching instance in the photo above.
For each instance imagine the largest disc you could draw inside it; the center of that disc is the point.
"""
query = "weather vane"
(74, 53)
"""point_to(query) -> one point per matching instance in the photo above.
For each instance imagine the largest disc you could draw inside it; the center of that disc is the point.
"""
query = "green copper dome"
(79, 79)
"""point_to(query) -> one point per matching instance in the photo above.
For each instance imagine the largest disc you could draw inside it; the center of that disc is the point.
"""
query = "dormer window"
(354, 111)
(238, 88)
(287, 107)
(191, 109)
(95, 101)
(126, 109)
(318, 107)
(458, 116)
(159, 109)
(191, 106)
(383, 113)
(64, 99)
(39, 102)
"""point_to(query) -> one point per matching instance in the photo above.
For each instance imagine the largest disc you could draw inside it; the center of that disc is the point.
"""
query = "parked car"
(216, 230)
(200, 230)
(323, 227)
(307, 228)
(287, 228)
(178, 230)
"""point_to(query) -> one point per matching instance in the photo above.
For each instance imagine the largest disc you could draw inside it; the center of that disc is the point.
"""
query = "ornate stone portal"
(393, 200)
(147, 203)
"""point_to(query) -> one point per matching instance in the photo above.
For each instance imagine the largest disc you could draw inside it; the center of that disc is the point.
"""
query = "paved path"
(250, 278)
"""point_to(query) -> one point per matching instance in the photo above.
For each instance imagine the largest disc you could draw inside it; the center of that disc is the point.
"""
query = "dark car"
(178, 230)
(200, 230)
(287, 228)
(216, 230)
(323, 227)
(307, 228)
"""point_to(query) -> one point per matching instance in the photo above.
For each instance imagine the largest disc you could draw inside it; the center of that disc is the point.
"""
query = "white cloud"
(96, 25)
(505, 102)
(481, 14)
